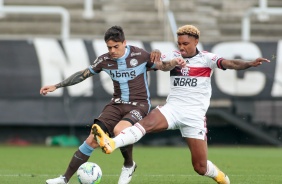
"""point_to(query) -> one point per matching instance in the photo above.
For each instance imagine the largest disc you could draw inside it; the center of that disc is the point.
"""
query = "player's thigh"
(131, 115)
(155, 121)
(109, 118)
(198, 149)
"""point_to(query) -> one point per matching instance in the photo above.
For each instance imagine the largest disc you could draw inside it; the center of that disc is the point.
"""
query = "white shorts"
(190, 126)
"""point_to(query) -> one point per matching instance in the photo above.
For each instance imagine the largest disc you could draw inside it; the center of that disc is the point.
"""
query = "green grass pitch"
(165, 165)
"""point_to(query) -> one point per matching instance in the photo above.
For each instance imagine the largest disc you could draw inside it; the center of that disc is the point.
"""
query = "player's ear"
(196, 41)
(124, 43)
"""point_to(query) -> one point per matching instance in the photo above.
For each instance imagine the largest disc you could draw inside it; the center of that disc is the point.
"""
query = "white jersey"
(190, 87)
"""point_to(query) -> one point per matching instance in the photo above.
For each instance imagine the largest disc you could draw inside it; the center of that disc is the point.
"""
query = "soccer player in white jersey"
(187, 103)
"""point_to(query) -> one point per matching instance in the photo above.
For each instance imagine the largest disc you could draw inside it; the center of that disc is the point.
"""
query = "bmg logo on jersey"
(123, 74)
(185, 82)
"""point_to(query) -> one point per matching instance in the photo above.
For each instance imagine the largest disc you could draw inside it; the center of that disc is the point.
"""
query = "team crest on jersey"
(185, 71)
(133, 62)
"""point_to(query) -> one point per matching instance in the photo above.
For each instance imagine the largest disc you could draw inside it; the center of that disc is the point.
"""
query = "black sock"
(127, 155)
(77, 160)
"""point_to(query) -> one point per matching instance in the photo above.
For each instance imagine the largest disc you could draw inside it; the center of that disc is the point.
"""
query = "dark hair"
(115, 33)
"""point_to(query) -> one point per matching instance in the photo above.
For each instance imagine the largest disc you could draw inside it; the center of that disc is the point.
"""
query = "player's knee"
(201, 169)
(121, 126)
(117, 130)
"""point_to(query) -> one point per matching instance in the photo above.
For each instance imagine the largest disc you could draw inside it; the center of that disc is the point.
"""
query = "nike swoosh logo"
(130, 174)
(110, 64)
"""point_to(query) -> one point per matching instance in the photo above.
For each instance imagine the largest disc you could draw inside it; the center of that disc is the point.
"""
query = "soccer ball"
(89, 173)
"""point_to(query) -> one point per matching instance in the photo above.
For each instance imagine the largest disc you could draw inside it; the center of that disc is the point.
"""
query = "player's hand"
(259, 61)
(180, 62)
(155, 55)
(46, 89)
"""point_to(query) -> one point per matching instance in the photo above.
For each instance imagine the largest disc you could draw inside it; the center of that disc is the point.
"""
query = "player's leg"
(198, 149)
(202, 166)
(129, 165)
(132, 115)
(155, 121)
(80, 156)
(127, 150)
(111, 115)
(84, 152)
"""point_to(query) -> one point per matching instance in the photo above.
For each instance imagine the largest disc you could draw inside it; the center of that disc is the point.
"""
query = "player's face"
(116, 49)
(187, 45)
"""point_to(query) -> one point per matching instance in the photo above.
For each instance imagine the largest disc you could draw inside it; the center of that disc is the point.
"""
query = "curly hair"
(114, 33)
(189, 30)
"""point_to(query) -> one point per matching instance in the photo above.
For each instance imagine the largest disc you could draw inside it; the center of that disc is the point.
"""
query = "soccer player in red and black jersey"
(187, 103)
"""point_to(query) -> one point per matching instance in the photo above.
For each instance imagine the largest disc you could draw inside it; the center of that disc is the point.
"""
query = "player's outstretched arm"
(72, 80)
(238, 64)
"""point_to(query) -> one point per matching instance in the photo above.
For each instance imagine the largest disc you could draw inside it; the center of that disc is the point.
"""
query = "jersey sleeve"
(150, 64)
(95, 67)
(170, 55)
(213, 60)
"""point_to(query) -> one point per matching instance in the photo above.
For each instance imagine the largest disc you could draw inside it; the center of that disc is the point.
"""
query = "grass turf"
(244, 165)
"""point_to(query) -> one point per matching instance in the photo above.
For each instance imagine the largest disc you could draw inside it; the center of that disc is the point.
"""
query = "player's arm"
(169, 65)
(238, 64)
(71, 80)
(155, 55)
(75, 78)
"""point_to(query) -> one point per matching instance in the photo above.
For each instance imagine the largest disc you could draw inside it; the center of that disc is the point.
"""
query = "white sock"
(211, 170)
(129, 135)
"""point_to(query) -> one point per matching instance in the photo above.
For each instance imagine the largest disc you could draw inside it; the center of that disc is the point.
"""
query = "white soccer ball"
(89, 173)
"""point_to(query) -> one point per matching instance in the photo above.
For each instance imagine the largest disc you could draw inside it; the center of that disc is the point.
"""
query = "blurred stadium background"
(43, 42)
